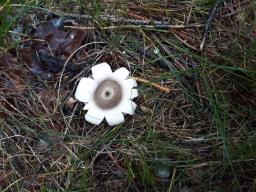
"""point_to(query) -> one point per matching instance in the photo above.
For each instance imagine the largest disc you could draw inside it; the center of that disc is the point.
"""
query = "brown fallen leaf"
(48, 37)
(50, 47)
(73, 41)
(51, 39)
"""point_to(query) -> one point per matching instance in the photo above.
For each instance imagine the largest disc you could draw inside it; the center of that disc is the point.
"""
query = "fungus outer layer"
(107, 94)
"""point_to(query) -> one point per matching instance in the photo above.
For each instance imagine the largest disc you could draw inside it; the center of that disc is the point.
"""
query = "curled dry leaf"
(73, 41)
(51, 39)
(50, 47)
(48, 37)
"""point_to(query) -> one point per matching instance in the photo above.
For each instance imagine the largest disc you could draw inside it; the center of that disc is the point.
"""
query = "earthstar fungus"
(107, 94)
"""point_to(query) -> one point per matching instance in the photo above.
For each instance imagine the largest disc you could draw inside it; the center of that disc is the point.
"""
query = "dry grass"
(198, 137)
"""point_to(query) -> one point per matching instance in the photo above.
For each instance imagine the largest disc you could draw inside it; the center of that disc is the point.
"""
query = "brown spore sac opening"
(108, 94)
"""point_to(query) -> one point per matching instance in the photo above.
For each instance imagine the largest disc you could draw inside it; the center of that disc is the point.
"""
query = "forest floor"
(199, 136)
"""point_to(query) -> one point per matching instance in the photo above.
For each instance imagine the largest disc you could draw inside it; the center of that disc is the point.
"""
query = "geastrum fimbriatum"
(107, 94)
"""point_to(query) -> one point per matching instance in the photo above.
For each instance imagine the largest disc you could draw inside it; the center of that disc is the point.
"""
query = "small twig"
(184, 42)
(155, 85)
(128, 23)
(166, 27)
(190, 11)
(172, 179)
(208, 22)
(108, 18)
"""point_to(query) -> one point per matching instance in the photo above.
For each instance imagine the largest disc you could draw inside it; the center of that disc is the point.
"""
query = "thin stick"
(129, 23)
(172, 179)
(155, 85)
(208, 22)
(166, 27)
(109, 18)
